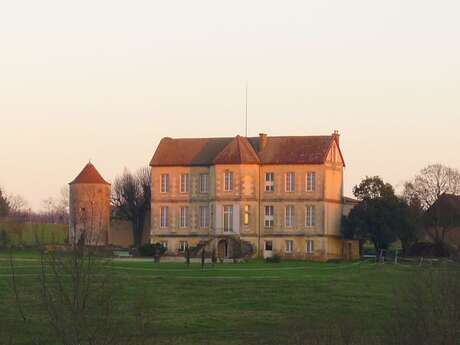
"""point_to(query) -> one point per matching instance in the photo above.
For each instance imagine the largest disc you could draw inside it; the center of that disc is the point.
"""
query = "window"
(164, 244)
(228, 183)
(268, 245)
(182, 246)
(289, 216)
(164, 183)
(246, 214)
(228, 218)
(164, 222)
(269, 182)
(310, 216)
(290, 182)
(183, 217)
(310, 246)
(289, 246)
(204, 216)
(204, 183)
(269, 211)
(184, 183)
(311, 181)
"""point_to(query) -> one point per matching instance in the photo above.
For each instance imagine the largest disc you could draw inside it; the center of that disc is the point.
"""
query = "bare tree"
(431, 183)
(131, 200)
(76, 301)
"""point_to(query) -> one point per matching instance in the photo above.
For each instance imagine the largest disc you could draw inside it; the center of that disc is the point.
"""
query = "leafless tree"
(74, 301)
(131, 200)
(432, 182)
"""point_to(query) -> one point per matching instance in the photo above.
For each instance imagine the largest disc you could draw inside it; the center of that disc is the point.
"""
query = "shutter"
(236, 218)
(218, 217)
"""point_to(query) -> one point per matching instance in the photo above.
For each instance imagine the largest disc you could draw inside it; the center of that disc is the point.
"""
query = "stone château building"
(283, 195)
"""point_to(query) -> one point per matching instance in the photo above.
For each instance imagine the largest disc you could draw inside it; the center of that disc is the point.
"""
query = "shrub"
(152, 250)
(275, 259)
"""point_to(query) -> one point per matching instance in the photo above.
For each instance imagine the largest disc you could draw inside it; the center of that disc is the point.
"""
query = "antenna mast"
(246, 117)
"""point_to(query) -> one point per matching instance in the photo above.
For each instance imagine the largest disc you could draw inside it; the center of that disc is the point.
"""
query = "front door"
(222, 249)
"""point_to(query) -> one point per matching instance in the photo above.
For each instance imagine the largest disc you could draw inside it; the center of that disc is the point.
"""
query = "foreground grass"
(238, 303)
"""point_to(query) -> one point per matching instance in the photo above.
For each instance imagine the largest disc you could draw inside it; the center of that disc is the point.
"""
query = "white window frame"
(164, 244)
(269, 182)
(269, 216)
(204, 183)
(289, 246)
(228, 181)
(290, 182)
(310, 247)
(184, 217)
(289, 216)
(247, 214)
(227, 219)
(204, 216)
(310, 181)
(164, 183)
(185, 183)
(164, 217)
(310, 216)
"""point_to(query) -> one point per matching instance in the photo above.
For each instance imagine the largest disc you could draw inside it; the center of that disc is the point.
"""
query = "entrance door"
(222, 249)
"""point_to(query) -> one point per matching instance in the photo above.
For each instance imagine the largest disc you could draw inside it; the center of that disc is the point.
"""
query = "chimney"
(262, 141)
(336, 135)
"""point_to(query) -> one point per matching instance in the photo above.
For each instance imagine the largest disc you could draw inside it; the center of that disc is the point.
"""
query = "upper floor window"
(204, 183)
(246, 214)
(310, 246)
(204, 216)
(289, 246)
(164, 219)
(290, 182)
(289, 216)
(184, 183)
(269, 182)
(310, 216)
(228, 181)
(228, 218)
(311, 181)
(268, 220)
(183, 217)
(164, 183)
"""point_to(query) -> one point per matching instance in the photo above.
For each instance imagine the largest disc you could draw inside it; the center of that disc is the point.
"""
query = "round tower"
(89, 208)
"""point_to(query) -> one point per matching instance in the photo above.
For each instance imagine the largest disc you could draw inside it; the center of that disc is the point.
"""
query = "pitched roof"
(237, 151)
(210, 151)
(89, 174)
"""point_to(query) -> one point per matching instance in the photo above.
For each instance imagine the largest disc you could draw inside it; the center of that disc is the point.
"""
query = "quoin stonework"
(281, 194)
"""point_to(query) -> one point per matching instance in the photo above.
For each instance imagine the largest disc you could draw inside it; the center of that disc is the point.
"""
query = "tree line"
(427, 210)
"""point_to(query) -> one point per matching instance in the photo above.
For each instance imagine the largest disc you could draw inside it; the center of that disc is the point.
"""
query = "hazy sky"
(107, 79)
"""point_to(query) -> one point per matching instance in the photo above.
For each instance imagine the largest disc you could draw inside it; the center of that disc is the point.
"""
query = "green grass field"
(30, 234)
(242, 302)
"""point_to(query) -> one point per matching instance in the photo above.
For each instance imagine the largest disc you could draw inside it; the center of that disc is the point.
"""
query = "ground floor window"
(289, 246)
(268, 245)
(310, 246)
(164, 244)
(182, 246)
(228, 218)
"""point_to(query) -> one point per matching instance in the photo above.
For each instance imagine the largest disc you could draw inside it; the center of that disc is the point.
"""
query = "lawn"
(242, 302)
(30, 234)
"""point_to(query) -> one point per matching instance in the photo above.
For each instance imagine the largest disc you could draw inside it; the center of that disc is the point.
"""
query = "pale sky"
(107, 80)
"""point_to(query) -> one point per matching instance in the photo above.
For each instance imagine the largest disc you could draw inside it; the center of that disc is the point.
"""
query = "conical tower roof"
(238, 151)
(89, 174)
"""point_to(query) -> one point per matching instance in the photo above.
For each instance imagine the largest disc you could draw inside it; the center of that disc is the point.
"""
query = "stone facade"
(306, 200)
(89, 208)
